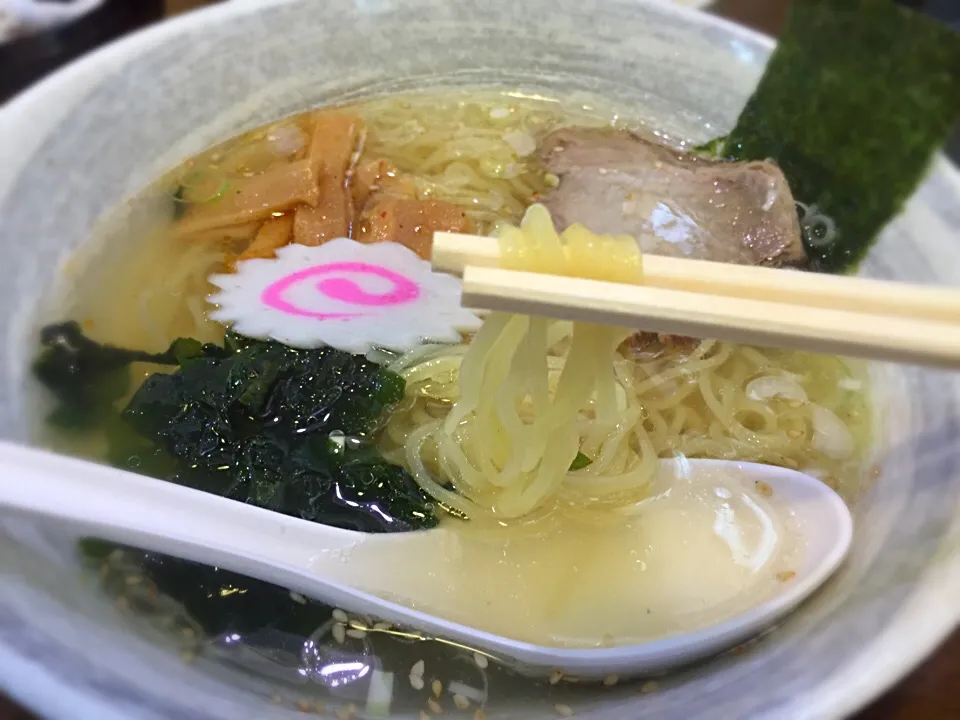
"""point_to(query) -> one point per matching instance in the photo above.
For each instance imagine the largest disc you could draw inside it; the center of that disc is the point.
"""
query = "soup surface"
(649, 555)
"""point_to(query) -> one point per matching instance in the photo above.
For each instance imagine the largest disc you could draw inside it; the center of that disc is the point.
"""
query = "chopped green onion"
(196, 182)
(580, 462)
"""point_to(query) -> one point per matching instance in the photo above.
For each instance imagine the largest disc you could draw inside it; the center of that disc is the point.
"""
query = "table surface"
(929, 692)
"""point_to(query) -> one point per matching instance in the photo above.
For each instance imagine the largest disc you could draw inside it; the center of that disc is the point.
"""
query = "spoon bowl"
(312, 559)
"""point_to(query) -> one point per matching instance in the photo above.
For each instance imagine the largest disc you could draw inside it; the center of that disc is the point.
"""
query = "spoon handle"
(110, 504)
(94, 500)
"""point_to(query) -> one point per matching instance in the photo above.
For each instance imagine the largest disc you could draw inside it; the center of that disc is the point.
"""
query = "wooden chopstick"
(452, 252)
(859, 318)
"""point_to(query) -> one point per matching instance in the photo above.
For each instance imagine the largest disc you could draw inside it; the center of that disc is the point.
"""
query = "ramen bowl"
(78, 145)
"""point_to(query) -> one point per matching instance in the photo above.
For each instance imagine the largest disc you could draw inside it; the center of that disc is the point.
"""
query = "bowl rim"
(931, 611)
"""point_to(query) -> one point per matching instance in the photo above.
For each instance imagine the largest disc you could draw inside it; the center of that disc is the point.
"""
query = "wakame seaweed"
(257, 422)
(855, 101)
(87, 378)
(218, 600)
(284, 429)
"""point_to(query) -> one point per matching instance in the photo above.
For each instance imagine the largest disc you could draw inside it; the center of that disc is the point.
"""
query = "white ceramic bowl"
(79, 143)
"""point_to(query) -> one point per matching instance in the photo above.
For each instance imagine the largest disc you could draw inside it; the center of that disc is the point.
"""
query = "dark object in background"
(27, 59)
(946, 11)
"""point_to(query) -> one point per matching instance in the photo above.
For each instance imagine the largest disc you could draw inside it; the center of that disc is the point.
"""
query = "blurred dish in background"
(24, 17)
(37, 37)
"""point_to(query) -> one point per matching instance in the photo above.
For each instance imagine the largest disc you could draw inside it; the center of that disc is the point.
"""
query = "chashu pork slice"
(673, 203)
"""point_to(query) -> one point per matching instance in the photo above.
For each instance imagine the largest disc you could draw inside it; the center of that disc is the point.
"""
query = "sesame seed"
(132, 580)
(555, 677)
(298, 598)
(563, 710)
(339, 633)
(437, 687)
(418, 667)
(424, 715)
(764, 488)
(416, 682)
(383, 626)
(304, 706)
(786, 576)
(794, 433)
(434, 707)
(610, 680)
(340, 616)
(480, 660)
(461, 702)
(357, 625)
(649, 686)
(480, 714)
(357, 634)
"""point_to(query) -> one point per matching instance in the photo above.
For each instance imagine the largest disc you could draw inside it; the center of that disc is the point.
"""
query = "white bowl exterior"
(74, 147)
